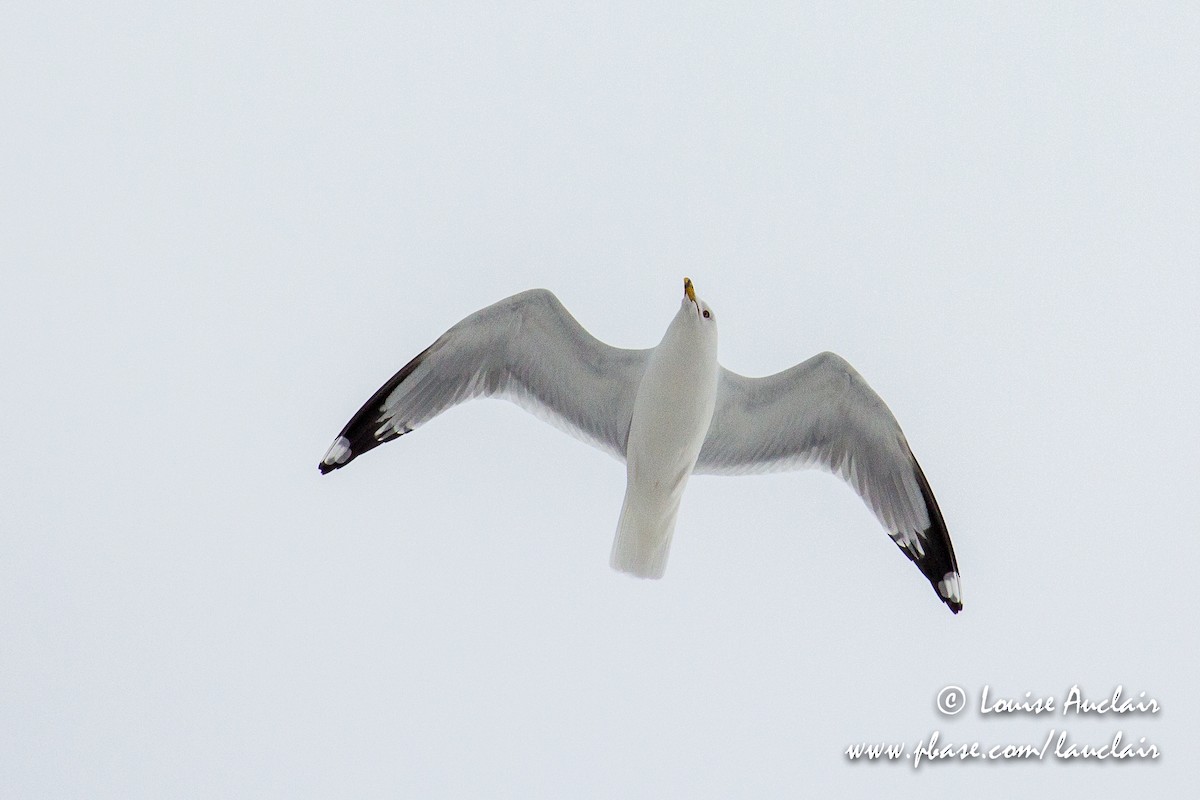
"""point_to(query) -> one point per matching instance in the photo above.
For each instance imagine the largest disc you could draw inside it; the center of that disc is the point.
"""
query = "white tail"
(644, 532)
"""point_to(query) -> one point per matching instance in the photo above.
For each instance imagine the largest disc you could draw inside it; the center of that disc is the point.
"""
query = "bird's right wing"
(526, 348)
(822, 413)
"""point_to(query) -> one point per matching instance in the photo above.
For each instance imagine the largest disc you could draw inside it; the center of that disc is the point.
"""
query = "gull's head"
(692, 335)
(696, 307)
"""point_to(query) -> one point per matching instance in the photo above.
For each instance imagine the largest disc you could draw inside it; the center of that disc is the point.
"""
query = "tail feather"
(643, 539)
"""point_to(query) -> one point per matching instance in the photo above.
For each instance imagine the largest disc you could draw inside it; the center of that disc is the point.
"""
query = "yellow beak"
(689, 290)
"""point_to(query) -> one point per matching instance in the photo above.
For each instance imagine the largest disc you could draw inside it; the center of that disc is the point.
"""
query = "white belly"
(671, 415)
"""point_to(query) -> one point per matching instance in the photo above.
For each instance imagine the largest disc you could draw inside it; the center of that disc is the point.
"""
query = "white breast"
(671, 415)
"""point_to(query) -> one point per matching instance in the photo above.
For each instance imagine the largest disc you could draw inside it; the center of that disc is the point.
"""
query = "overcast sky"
(223, 226)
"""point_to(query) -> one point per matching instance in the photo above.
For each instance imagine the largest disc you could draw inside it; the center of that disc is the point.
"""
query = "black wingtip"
(938, 564)
(362, 432)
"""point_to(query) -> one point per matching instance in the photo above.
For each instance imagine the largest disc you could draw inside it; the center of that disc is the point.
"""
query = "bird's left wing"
(822, 413)
(526, 348)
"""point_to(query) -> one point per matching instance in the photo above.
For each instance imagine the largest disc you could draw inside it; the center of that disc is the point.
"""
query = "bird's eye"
(706, 314)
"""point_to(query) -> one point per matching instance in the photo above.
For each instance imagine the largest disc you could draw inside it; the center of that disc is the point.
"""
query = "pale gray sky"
(224, 226)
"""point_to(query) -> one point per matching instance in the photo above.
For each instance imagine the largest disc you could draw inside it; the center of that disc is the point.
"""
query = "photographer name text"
(1074, 703)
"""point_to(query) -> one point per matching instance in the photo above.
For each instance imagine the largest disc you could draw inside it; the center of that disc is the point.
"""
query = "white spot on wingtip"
(339, 451)
(950, 587)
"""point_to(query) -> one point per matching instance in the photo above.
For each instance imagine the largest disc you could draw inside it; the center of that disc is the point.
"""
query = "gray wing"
(526, 348)
(822, 413)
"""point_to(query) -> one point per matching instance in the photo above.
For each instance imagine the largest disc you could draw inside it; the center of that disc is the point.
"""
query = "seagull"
(668, 412)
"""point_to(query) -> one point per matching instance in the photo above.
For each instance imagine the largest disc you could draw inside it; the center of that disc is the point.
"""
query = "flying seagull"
(668, 412)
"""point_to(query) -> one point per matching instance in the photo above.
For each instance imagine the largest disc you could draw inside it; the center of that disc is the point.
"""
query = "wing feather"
(821, 412)
(526, 348)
